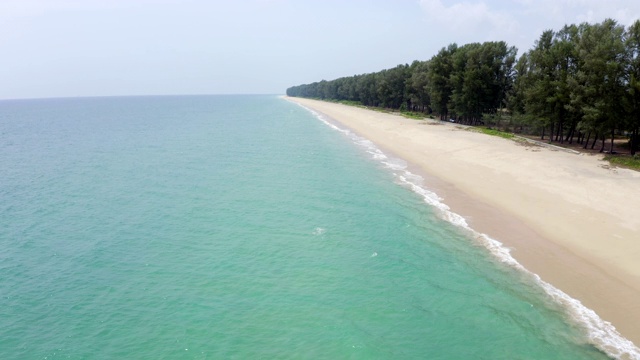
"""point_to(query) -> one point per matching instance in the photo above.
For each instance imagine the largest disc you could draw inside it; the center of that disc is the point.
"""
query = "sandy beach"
(567, 217)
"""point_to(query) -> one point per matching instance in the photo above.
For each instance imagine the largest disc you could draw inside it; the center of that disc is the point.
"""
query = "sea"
(249, 227)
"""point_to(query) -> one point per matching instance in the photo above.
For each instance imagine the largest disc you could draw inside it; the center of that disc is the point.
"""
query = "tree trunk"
(634, 141)
(594, 141)
(571, 132)
(613, 135)
(559, 133)
(586, 143)
(602, 147)
(542, 137)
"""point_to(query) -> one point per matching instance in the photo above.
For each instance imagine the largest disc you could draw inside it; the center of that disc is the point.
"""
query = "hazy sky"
(55, 48)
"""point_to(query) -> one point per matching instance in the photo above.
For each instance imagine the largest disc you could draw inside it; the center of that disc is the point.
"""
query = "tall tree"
(418, 86)
(540, 77)
(633, 84)
(463, 79)
(439, 84)
(515, 100)
(601, 83)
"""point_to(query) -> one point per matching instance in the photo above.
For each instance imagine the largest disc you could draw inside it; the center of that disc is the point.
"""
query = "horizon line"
(135, 95)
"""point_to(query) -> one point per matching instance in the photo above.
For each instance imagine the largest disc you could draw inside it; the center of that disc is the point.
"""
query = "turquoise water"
(239, 227)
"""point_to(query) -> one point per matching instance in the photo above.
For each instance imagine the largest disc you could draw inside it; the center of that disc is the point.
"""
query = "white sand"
(567, 217)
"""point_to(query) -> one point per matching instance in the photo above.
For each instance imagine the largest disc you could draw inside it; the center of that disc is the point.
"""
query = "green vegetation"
(495, 132)
(413, 115)
(629, 162)
(350, 102)
(579, 85)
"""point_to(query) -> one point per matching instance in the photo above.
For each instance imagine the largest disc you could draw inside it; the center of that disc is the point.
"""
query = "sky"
(69, 48)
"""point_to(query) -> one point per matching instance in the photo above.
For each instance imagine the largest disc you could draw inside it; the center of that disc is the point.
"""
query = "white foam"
(600, 333)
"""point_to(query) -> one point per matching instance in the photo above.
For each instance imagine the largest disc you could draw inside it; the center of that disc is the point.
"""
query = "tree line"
(578, 84)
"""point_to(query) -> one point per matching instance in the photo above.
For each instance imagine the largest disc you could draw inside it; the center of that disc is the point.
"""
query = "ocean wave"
(319, 231)
(601, 334)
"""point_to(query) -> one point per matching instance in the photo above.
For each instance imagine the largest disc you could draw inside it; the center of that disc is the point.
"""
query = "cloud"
(519, 22)
(578, 11)
(470, 21)
(463, 15)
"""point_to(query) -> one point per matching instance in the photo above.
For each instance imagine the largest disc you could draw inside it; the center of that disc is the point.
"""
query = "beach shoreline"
(565, 217)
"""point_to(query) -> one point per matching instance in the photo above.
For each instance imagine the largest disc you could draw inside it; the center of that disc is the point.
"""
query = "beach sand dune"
(567, 217)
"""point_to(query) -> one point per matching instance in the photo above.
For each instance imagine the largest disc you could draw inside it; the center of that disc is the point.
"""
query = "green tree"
(439, 85)
(539, 96)
(601, 81)
(515, 97)
(418, 86)
(633, 84)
